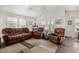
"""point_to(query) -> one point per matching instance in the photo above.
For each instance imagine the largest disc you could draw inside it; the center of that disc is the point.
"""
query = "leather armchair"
(38, 34)
(58, 36)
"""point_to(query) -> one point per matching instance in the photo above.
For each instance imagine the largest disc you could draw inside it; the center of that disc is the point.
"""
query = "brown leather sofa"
(13, 35)
(38, 34)
(58, 36)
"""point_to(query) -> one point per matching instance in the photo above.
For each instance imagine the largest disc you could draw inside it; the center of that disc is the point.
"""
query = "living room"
(39, 28)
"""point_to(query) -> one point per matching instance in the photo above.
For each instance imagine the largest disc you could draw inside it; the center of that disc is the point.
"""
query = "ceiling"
(18, 9)
(72, 7)
(51, 7)
(42, 8)
(34, 10)
(30, 10)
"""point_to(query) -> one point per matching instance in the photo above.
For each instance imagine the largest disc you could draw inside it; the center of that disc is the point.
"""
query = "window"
(11, 22)
(18, 22)
(22, 23)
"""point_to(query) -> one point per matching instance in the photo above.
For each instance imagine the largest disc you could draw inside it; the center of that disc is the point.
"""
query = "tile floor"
(46, 46)
(68, 46)
(12, 48)
(42, 46)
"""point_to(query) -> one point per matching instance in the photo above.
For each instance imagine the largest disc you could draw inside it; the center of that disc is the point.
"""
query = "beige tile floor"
(69, 46)
(42, 46)
(12, 48)
(45, 45)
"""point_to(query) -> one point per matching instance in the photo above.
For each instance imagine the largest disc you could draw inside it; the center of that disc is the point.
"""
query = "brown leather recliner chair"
(38, 34)
(58, 36)
(13, 35)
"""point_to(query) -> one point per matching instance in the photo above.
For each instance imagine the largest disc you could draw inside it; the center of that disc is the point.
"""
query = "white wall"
(2, 21)
(57, 13)
(70, 29)
(60, 14)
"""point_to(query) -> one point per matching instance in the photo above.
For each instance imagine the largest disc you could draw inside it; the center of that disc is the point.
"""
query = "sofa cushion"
(18, 31)
(25, 30)
(8, 31)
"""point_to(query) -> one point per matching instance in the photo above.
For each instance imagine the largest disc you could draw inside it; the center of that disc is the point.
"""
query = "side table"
(45, 36)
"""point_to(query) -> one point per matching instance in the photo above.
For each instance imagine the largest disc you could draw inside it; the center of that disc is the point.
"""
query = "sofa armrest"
(5, 38)
(54, 34)
(62, 39)
(4, 35)
(61, 35)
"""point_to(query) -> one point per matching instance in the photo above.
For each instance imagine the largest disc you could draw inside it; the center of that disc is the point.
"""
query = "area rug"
(28, 45)
(15, 48)
(40, 46)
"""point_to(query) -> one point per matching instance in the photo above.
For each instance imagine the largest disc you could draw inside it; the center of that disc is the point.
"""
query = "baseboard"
(68, 37)
(75, 37)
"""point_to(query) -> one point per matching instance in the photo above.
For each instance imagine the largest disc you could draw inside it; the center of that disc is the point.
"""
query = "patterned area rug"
(40, 46)
(27, 44)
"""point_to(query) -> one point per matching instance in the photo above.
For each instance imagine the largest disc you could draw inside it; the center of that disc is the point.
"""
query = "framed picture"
(58, 21)
(69, 22)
